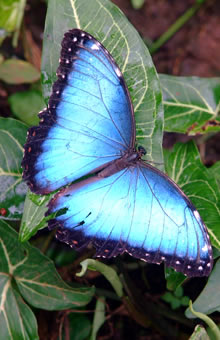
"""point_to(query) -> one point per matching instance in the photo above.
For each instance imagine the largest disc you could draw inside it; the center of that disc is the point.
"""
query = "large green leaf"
(12, 188)
(35, 275)
(183, 165)
(17, 321)
(215, 171)
(106, 22)
(191, 104)
(209, 299)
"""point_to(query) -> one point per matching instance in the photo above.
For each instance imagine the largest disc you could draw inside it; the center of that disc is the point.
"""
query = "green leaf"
(9, 11)
(178, 292)
(35, 275)
(215, 171)
(17, 321)
(79, 327)
(168, 297)
(26, 105)
(11, 14)
(14, 71)
(12, 188)
(61, 256)
(33, 218)
(99, 317)
(107, 23)
(216, 253)
(209, 299)
(191, 104)
(172, 300)
(173, 278)
(185, 301)
(183, 165)
(199, 334)
(176, 299)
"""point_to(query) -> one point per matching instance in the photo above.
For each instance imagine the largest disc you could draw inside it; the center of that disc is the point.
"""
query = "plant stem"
(174, 28)
(46, 244)
(20, 14)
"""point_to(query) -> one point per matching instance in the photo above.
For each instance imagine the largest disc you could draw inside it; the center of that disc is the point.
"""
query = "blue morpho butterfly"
(124, 204)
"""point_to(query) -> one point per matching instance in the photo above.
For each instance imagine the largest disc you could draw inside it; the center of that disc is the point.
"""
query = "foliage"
(29, 280)
(26, 273)
(176, 298)
(11, 14)
(191, 104)
(14, 71)
(137, 4)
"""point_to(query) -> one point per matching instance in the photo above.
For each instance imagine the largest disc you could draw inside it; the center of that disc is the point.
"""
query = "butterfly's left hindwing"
(137, 210)
(89, 120)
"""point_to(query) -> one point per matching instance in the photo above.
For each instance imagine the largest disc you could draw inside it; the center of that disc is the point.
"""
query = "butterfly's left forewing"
(137, 210)
(89, 120)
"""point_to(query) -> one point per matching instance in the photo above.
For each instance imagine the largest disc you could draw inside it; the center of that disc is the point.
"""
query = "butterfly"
(85, 147)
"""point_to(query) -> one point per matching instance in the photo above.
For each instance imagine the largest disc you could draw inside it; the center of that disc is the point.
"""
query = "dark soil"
(192, 51)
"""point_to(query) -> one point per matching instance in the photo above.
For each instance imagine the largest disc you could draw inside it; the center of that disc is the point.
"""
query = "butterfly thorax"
(129, 159)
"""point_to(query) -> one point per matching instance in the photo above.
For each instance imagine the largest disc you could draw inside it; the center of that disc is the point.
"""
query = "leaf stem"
(46, 244)
(174, 27)
(20, 15)
(213, 327)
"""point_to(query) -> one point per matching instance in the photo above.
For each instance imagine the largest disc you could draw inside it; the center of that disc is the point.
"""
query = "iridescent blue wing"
(89, 120)
(138, 210)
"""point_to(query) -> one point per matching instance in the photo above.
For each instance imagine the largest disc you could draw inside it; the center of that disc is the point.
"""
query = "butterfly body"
(124, 204)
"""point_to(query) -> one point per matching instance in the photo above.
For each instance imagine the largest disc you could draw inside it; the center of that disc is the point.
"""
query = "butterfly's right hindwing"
(137, 210)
